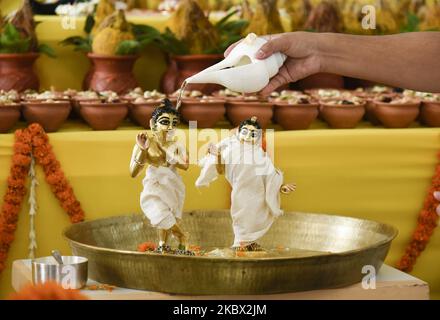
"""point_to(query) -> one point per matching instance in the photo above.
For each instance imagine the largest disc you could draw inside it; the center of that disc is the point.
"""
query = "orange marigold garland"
(32, 140)
(15, 192)
(55, 177)
(426, 223)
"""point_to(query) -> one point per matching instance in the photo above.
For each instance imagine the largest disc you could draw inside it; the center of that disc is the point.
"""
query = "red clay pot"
(103, 116)
(51, 115)
(113, 73)
(396, 115)
(370, 115)
(430, 113)
(9, 115)
(237, 111)
(76, 103)
(140, 113)
(16, 71)
(322, 80)
(206, 113)
(295, 116)
(185, 66)
(342, 116)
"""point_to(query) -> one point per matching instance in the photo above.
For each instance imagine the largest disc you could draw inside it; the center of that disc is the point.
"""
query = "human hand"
(301, 49)
(288, 188)
(143, 141)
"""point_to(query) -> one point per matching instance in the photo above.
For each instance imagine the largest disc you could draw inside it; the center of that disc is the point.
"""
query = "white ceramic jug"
(240, 71)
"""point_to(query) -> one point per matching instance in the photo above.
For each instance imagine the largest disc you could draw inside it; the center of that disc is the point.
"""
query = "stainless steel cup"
(72, 274)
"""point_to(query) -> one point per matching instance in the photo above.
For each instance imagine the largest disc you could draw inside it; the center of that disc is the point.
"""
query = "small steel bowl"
(71, 275)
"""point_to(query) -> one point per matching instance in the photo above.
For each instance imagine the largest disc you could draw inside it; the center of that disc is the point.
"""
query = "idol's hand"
(143, 141)
(212, 149)
(288, 188)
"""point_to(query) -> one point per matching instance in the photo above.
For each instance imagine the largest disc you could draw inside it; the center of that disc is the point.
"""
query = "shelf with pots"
(244, 106)
(10, 108)
(141, 105)
(207, 110)
(49, 108)
(396, 111)
(294, 110)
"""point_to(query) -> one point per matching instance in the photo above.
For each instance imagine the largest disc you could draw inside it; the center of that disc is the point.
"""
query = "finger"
(437, 195)
(232, 46)
(274, 83)
(274, 44)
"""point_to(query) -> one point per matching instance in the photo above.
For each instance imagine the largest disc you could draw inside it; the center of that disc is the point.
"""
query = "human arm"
(407, 60)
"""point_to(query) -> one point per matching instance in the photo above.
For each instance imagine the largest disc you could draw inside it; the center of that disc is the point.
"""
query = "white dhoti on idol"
(256, 183)
(163, 196)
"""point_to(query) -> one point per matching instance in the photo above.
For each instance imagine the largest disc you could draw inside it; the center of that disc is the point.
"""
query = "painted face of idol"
(165, 125)
(249, 134)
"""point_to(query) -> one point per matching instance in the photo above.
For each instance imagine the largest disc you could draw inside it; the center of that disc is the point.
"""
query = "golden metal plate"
(306, 252)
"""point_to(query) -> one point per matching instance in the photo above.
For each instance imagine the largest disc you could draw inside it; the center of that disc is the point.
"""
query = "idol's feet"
(249, 247)
(163, 249)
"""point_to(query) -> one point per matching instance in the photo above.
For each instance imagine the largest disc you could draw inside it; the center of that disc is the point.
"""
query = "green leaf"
(223, 20)
(47, 50)
(11, 32)
(143, 31)
(90, 22)
(11, 41)
(128, 47)
(168, 42)
(83, 44)
(234, 27)
(412, 23)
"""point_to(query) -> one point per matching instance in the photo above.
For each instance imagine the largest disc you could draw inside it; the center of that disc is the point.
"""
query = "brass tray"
(325, 251)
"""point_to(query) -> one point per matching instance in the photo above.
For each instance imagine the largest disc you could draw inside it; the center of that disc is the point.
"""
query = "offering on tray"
(44, 96)
(109, 96)
(137, 95)
(187, 94)
(234, 95)
(9, 97)
(291, 97)
(346, 100)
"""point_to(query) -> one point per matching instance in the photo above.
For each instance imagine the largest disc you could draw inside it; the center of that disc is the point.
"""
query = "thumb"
(275, 44)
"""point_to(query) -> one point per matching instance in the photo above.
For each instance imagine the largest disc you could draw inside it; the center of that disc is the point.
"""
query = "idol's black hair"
(249, 122)
(165, 107)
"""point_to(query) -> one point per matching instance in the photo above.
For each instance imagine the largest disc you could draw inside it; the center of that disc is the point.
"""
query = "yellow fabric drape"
(370, 173)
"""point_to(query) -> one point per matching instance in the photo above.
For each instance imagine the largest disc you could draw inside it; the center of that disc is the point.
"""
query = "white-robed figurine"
(163, 191)
(256, 183)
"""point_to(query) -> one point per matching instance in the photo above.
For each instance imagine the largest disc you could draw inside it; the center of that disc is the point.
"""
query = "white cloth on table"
(255, 199)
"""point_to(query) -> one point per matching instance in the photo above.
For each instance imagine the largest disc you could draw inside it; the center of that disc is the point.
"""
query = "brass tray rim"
(393, 234)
